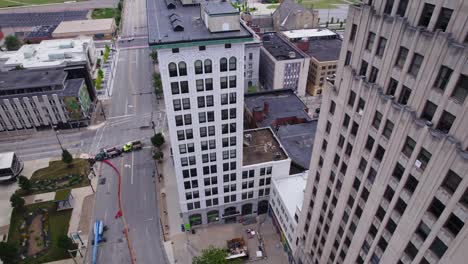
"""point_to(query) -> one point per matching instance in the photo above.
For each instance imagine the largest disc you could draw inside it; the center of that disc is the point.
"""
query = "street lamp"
(56, 135)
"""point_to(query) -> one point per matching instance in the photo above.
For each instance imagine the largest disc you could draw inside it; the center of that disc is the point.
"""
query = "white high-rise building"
(201, 52)
(389, 170)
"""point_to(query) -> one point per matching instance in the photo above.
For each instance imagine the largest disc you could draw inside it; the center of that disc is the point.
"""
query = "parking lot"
(188, 245)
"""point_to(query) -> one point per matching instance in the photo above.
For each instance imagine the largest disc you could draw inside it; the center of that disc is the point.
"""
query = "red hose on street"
(120, 212)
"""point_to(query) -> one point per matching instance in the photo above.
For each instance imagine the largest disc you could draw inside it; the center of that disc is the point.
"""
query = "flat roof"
(6, 159)
(261, 145)
(298, 141)
(49, 53)
(281, 104)
(161, 32)
(24, 79)
(280, 48)
(218, 8)
(291, 191)
(308, 33)
(325, 49)
(88, 25)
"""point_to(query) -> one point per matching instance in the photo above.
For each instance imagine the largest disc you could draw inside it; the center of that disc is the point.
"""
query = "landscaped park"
(38, 230)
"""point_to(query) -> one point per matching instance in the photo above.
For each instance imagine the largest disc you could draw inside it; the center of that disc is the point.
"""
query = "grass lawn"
(10, 3)
(273, 6)
(58, 170)
(103, 13)
(322, 4)
(58, 225)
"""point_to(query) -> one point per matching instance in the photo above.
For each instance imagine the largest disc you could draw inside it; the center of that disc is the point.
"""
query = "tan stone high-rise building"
(389, 173)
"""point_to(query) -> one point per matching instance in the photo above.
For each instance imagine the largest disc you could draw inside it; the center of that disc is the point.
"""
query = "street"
(132, 115)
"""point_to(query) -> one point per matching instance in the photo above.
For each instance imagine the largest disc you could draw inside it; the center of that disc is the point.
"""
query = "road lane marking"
(131, 176)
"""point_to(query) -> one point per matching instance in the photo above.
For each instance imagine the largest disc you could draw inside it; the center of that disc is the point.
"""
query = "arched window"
(182, 68)
(223, 64)
(208, 68)
(232, 63)
(198, 67)
(172, 69)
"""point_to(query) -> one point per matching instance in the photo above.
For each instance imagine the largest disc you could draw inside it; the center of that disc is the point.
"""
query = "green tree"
(158, 155)
(12, 42)
(154, 56)
(64, 242)
(24, 183)
(16, 201)
(158, 140)
(213, 255)
(67, 157)
(100, 73)
(8, 253)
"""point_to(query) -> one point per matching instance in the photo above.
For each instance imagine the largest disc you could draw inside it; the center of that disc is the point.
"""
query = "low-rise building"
(288, 117)
(286, 200)
(35, 99)
(291, 15)
(74, 56)
(10, 166)
(95, 28)
(283, 65)
(323, 46)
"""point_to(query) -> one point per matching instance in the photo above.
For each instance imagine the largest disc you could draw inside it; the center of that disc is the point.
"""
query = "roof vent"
(176, 22)
(170, 4)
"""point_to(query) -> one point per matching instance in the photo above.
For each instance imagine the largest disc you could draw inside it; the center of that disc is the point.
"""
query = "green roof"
(62, 195)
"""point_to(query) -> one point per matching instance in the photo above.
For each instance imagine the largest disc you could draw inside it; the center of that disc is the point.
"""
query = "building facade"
(388, 178)
(283, 65)
(38, 99)
(202, 73)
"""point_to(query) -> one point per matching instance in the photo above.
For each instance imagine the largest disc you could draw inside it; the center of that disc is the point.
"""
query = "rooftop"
(312, 33)
(48, 53)
(261, 145)
(213, 8)
(325, 49)
(291, 191)
(170, 22)
(298, 141)
(89, 25)
(6, 159)
(282, 104)
(24, 79)
(280, 48)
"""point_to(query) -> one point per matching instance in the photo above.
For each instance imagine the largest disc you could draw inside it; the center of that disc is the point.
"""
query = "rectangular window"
(348, 58)
(401, 58)
(461, 89)
(426, 15)
(423, 158)
(381, 46)
(392, 86)
(377, 120)
(363, 70)
(428, 111)
(199, 85)
(373, 74)
(451, 182)
(401, 10)
(408, 147)
(443, 19)
(443, 77)
(415, 64)
(370, 40)
(404, 95)
(445, 122)
(387, 132)
(352, 35)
